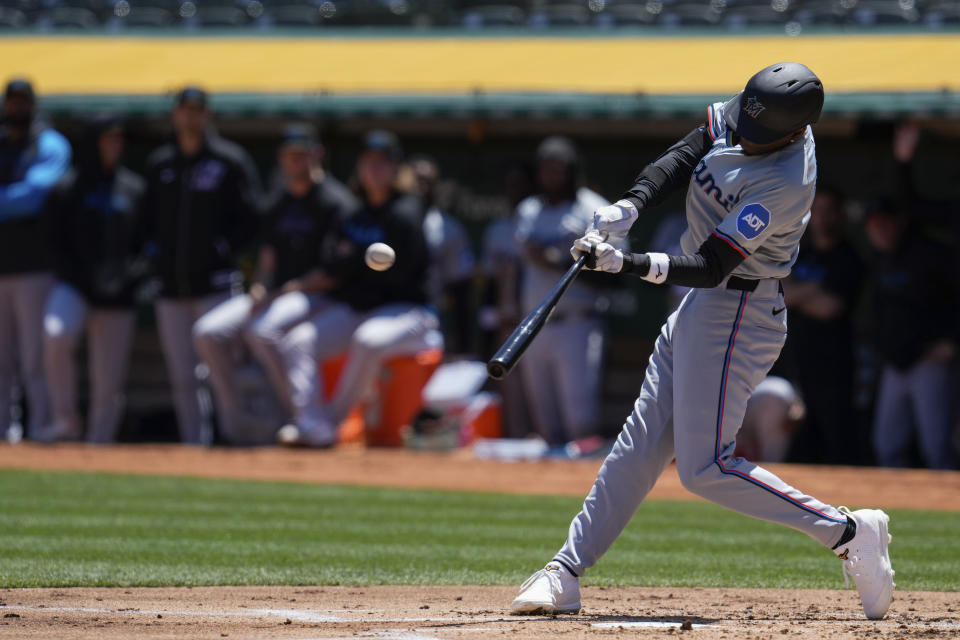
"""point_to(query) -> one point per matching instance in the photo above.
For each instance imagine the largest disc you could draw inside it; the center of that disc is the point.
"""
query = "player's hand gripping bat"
(505, 359)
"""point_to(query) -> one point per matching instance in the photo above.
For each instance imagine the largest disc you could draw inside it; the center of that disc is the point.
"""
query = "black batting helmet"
(778, 100)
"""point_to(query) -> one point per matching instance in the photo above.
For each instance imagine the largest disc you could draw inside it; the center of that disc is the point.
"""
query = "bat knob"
(496, 370)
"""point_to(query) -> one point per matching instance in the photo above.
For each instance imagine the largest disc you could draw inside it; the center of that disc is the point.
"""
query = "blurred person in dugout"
(913, 328)
(33, 159)
(93, 216)
(370, 315)
(451, 259)
(562, 367)
(287, 286)
(200, 211)
(774, 412)
(500, 311)
(821, 293)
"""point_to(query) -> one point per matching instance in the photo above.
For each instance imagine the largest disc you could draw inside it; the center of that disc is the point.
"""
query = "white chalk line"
(644, 624)
(299, 615)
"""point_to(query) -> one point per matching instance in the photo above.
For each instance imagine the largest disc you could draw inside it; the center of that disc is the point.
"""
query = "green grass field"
(85, 529)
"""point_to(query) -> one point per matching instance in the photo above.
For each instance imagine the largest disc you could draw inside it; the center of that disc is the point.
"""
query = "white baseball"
(380, 256)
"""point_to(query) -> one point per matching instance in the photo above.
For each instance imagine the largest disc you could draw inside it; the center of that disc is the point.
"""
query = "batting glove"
(615, 220)
(604, 256)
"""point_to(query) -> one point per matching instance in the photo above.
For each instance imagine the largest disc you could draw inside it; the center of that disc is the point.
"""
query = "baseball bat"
(506, 357)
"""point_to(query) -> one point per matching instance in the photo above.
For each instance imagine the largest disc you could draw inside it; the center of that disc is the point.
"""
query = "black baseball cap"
(192, 96)
(384, 141)
(777, 101)
(20, 87)
(299, 136)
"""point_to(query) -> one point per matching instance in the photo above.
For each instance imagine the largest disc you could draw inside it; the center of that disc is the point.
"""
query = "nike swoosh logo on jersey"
(777, 312)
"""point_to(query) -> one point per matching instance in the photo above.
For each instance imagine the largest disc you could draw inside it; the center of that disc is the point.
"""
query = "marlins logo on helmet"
(753, 107)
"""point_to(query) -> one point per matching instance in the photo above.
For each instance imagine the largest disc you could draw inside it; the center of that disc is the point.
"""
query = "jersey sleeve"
(763, 213)
(716, 125)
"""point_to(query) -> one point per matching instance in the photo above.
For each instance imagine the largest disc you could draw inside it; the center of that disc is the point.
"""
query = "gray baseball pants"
(175, 320)
(224, 332)
(711, 354)
(109, 338)
(915, 401)
(369, 338)
(561, 373)
(22, 298)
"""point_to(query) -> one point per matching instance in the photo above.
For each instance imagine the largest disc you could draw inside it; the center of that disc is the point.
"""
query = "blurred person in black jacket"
(93, 218)
(33, 159)
(821, 293)
(299, 218)
(200, 211)
(913, 330)
(372, 315)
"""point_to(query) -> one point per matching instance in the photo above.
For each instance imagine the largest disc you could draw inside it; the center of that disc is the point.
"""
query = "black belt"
(742, 284)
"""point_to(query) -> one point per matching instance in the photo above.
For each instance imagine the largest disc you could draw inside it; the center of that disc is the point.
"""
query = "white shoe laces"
(529, 581)
(554, 579)
(846, 573)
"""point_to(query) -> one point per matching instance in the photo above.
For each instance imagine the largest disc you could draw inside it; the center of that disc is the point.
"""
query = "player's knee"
(695, 478)
(369, 340)
(57, 333)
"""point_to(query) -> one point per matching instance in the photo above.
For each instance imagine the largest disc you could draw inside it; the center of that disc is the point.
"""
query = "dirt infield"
(440, 613)
(854, 486)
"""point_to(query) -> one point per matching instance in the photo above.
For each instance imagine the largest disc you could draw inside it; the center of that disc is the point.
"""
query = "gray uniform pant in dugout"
(22, 297)
(109, 337)
(175, 320)
(711, 354)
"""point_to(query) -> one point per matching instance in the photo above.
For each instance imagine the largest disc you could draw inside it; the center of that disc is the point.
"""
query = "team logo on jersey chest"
(752, 220)
(753, 107)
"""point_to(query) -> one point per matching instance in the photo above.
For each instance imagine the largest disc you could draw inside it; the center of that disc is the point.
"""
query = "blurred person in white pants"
(372, 315)
(288, 285)
(562, 367)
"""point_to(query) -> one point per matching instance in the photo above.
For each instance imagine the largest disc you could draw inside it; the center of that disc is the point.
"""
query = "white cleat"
(867, 559)
(551, 590)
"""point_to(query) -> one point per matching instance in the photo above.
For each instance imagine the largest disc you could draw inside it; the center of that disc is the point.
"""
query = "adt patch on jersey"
(752, 220)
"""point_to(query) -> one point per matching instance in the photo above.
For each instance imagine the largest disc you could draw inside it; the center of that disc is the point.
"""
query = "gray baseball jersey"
(553, 228)
(562, 368)
(759, 205)
(711, 354)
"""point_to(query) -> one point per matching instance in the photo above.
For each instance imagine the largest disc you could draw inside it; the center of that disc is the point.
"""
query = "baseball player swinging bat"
(505, 359)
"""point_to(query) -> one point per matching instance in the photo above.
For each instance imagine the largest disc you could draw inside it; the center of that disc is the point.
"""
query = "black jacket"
(198, 212)
(297, 228)
(30, 169)
(398, 223)
(93, 219)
